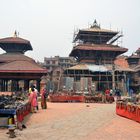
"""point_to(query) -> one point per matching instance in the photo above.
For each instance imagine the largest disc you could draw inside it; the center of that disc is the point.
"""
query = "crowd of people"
(132, 95)
(110, 93)
(33, 95)
(33, 98)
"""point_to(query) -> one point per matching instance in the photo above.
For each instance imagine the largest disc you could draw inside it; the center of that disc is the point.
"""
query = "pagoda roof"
(14, 40)
(8, 44)
(21, 66)
(133, 57)
(138, 50)
(8, 57)
(99, 68)
(95, 34)
(101, 36)
(95, 29)
(96, 47)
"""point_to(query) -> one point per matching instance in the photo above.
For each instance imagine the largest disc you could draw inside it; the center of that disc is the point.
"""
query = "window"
(53, 61)
(47, 62)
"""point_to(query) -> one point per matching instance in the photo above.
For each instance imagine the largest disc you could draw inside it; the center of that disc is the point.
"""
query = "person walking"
(33, 100)
(44, 96)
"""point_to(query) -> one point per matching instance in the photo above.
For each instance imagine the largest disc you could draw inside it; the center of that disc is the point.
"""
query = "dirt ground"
(76, 121)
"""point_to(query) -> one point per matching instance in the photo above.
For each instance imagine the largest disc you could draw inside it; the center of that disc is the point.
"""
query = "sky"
(49, 24)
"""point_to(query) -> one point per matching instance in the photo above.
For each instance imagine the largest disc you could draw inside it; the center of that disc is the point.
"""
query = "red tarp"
(23, 111)
(129, 111)
(66, 98)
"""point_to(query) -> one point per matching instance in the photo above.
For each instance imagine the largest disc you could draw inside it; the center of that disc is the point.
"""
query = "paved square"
(77, 121)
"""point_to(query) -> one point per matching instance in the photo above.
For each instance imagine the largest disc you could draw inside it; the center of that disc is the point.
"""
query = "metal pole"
(113, 77)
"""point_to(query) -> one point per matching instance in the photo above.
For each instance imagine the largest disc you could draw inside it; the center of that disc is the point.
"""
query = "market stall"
(128, 110)
(66, 98)
(80, 98)
(12, 110)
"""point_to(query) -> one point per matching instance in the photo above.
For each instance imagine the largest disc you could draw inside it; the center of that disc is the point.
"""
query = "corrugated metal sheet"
(97, 68)
(79, 67)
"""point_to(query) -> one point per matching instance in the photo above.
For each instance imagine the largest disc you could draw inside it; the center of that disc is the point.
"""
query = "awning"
(97, 68)
(90, 67)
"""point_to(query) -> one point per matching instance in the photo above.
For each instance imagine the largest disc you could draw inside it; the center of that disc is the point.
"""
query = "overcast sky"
(49, 24)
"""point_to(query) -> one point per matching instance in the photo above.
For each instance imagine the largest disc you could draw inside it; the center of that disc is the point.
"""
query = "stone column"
(6, 85)
(2, 85)
(38, 84)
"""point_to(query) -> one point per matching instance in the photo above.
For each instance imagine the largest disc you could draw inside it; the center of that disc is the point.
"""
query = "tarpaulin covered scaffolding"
(97, 68)
(101, 76)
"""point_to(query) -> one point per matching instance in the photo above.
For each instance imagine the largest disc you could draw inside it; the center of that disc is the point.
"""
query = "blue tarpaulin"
(8, 111)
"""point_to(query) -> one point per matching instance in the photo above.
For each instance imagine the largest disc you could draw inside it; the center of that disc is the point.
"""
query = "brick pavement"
(76, 121)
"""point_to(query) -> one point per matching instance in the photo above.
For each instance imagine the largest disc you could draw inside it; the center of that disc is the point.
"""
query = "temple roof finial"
(95, 24)
(15, 34)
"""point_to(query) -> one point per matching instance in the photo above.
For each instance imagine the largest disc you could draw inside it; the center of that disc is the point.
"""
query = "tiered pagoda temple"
(95, 50)
(95, 45)
(16, 69)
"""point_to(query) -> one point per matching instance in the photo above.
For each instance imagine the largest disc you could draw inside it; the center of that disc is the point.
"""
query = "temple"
(95, 45)
(96, 50)
(18, 71)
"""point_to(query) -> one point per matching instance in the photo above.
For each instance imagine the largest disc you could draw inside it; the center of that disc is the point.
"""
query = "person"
(103, 97)
(33, 100)
(134, 98)
(131, 92)
(37, 93)
(111, 92)
(44, 95)
(30, 90)
(138, 98)
(107, 94)
(118, 94)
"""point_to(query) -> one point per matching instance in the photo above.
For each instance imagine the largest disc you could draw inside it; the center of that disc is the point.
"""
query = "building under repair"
(96, 49)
